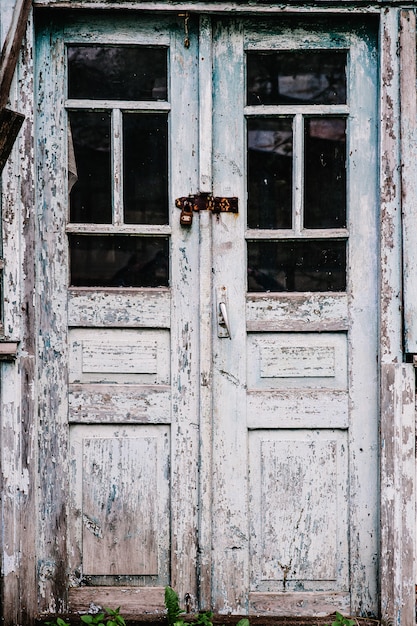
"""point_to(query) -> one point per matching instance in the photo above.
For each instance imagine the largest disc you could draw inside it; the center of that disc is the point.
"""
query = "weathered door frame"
(19, 479)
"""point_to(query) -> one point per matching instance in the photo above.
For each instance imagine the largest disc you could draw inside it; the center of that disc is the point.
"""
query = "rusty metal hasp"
(204, 202)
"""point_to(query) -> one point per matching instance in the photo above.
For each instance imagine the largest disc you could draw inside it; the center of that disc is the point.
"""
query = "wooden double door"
(207, 379)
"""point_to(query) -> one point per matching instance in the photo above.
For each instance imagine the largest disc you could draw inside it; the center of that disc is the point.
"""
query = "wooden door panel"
(295, 360)
(298, 479)
(120, 500)
(119, 356)
(145, 309)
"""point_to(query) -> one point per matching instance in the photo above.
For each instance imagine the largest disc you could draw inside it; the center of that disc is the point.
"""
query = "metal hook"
(186, 17)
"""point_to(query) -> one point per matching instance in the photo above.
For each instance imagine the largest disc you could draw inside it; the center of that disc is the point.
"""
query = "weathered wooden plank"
(299, 480)
(185, 322)
(323, 6)
(91, 404)
(110, 355)
(301, 409)
(398, 498)
(206, 318)
(148, 308)
(313, 604)
(11, 48)
(296, 312)
(19, 436)
(132, 600)
(297, 360)
(390, 200)
(120, 502)
(230, 559)
(363, 264)
(409, 174)
(51, 308)
(119, 514)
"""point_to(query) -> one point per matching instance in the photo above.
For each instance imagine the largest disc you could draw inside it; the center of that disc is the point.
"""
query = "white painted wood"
(408, 173)
(133, 359)
(17, 390)
(119, 403)
(398, 497)
(206, 314)
(296, 409)
(390, 200)
(184, 315)
(297, 379)
(115, 355)
(132, 601)
(320, 603)
(297, 361)
(144, 308)
(299, 480)
(348, 6)
(120, 501)
(230, 564)
(296, 312)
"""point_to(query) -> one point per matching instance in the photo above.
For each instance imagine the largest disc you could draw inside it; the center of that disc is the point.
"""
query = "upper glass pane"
(270, 152)
(101, 72)
(325, 172)
(145, 168)
(296, 77)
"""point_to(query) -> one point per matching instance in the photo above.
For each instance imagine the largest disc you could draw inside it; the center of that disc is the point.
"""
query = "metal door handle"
(224, 318)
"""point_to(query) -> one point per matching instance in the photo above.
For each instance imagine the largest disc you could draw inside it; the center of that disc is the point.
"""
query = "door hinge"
(204, 202)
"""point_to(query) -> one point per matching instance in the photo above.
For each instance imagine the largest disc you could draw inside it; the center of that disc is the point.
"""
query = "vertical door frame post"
(397, 426)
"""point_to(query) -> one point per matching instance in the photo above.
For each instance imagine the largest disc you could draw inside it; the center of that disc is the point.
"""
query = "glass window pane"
(91, 195)
(325, 173)
(145, 168)
(117, 72)
(309, 265)
(297, 77)
(119, 261)
(270, 151)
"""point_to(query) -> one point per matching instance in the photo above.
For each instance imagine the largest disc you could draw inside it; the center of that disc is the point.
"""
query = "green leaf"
(243, 622)
(172, 606)
(87, 619)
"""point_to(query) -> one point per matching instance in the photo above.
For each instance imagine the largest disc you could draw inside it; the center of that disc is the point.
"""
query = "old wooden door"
(207, 392)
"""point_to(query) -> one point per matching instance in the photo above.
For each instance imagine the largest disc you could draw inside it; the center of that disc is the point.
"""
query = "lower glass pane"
(118, 261)
(311, 265)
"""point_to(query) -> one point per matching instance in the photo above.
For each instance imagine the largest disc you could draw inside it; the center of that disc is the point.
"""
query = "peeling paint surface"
(149, 449)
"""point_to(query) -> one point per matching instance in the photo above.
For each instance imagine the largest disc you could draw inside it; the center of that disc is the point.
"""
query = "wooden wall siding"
(398, 567)
(322, 6)
(409, 173)
(51, 322)
(18, 431)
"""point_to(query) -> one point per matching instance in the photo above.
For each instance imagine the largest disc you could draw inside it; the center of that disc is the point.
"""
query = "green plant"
(110, 617)
(174, 613)
(173, 608)
(343, 621)
(58, 622)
